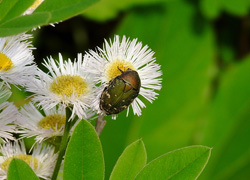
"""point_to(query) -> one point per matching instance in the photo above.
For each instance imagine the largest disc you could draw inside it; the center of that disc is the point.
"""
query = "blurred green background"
(203, 49)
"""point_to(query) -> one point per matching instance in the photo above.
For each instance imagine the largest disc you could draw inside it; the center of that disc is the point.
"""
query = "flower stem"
(63, 145)
(100, 123)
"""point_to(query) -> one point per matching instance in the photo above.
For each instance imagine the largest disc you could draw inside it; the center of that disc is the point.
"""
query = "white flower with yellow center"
(16, 59)
(8, 114)
(33, 123)
(41, 160)
(67, 84)
(109, 62)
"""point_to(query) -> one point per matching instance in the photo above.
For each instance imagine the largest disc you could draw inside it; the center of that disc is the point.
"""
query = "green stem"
(63, 145)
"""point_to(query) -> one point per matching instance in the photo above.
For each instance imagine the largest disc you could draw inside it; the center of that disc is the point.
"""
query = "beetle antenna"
(120, 69)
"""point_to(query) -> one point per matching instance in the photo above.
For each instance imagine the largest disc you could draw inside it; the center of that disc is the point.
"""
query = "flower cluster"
(101, 82)
(107, 80)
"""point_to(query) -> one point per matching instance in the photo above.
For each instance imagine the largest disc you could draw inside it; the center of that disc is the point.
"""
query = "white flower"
(33, 123)
(67, 84)
(8, 114)
(41, 160)
(108, 62)
(33, 7)
(16, 59)
(5, 92)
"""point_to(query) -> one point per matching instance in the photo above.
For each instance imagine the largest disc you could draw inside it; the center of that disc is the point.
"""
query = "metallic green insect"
(120, 92)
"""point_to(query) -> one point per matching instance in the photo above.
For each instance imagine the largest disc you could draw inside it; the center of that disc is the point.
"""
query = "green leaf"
(12, 8)
(5, 93)
(49, 11)
(20, 170)
(185, 163)
(23, 23)
(5, 7)
(228, 124)
(131, 161)
(62, 10)
(84, 157)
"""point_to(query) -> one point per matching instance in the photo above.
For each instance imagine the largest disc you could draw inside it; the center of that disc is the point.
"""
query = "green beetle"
(120, 92)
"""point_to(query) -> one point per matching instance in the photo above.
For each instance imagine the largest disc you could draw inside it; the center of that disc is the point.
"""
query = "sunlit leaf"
(84, 157)
(20, 170)
(50, 11)
(182, 164)
(23, 23)
(131, 161)
(62, 10)
(13, 8)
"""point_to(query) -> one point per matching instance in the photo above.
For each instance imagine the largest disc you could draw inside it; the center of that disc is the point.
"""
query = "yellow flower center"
(31, 161)
(5, 62)
(68, 84)
(54, 122)
(35, 4)
(114, 68)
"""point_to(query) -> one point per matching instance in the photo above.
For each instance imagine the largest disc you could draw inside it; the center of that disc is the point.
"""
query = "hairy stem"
(63, 144)
(100, 123)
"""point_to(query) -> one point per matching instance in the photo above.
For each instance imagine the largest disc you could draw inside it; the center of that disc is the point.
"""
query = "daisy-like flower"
(67, 84)
(33, 7)
(34, 123)
(119, 56)
(16, 59)
(41, 160)
(8, 114)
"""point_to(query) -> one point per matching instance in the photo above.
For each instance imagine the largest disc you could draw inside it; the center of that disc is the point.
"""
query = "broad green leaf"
(20, 170)
(185, 50)
(23, 23)
(5, 7)
(5, 92)
(84, 157)
(13, 8)
(182, 164)
(62, 10)
(50, 11)
(228, 124)
(131, 161)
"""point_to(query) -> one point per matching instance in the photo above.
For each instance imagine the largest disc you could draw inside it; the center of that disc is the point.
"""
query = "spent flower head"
(67, 84)
(120, 55)
(41, 160)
